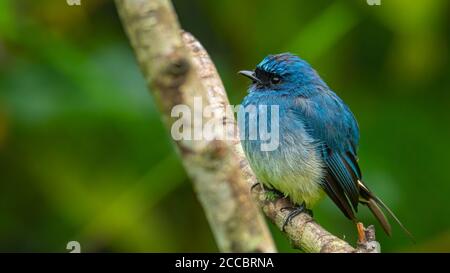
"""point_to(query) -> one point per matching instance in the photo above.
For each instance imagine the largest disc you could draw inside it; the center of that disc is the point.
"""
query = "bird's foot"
(255, 185)
(294, 211)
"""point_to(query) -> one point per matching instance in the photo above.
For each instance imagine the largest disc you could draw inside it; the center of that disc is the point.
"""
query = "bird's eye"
(275, 80)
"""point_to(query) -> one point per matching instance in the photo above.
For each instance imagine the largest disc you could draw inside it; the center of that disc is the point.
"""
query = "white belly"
(295, 169)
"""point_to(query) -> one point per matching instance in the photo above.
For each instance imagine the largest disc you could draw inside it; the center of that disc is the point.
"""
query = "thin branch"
(178, 69)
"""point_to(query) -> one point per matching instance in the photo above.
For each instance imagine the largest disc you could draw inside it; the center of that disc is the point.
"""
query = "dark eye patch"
(267, 77)
(275, 80)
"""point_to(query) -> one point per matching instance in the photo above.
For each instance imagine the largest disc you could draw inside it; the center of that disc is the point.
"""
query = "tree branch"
(178, 75)
(178, 70)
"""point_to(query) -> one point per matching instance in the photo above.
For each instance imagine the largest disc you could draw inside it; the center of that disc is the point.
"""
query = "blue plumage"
(318, 138)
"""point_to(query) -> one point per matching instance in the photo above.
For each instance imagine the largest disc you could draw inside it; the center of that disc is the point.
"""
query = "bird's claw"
(294, 212)
(255, 185)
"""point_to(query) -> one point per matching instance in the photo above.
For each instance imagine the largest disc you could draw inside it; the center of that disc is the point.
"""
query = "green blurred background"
(84, 155)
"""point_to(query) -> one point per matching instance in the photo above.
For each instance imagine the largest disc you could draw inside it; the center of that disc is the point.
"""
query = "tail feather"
(376, 205)
(373, 206)
(386, 208)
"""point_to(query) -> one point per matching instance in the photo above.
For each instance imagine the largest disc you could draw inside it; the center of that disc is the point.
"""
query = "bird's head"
(283, 71)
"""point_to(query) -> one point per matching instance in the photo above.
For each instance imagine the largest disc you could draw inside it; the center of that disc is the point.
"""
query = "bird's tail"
(376, 205)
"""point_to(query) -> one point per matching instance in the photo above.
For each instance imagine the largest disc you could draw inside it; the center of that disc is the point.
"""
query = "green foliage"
(84, 155)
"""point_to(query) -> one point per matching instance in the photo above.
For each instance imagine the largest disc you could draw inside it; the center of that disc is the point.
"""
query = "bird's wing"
(331, 123)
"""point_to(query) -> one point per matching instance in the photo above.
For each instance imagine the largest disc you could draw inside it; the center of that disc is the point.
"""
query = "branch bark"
(184, 75)
(179, 70)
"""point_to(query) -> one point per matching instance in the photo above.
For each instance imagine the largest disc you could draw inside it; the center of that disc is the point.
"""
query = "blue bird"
(318, 140)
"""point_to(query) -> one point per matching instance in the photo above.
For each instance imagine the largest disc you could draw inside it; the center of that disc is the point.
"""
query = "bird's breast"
(295, 167)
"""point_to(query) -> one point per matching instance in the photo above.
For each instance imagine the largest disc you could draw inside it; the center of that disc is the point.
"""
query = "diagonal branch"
(179, 70)
(179, 76)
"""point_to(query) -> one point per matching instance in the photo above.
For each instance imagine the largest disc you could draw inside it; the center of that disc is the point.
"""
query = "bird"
(318, 141)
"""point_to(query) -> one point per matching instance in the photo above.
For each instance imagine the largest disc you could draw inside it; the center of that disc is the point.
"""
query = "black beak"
(250, 74)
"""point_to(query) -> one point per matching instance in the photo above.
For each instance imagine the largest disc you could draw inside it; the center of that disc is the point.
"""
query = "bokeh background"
(84, 155)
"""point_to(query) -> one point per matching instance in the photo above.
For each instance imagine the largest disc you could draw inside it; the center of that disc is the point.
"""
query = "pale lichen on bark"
(178, 69)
